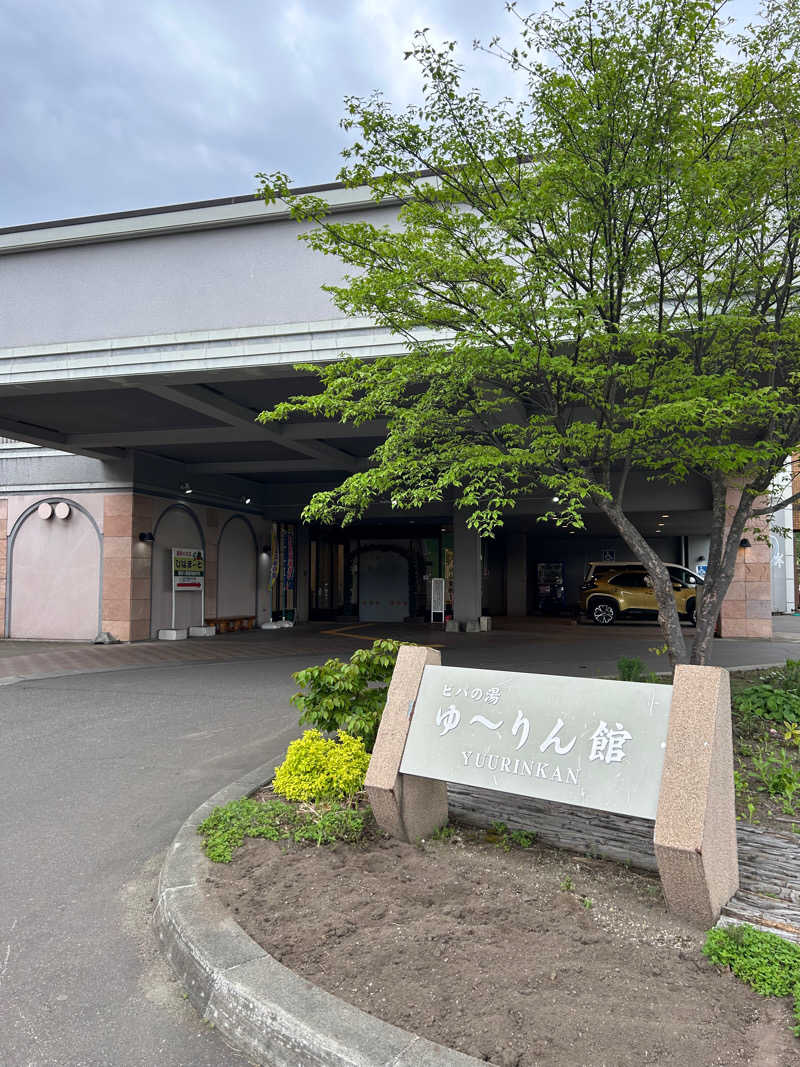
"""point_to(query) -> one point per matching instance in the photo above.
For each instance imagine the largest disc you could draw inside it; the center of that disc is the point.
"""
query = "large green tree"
(597, 279)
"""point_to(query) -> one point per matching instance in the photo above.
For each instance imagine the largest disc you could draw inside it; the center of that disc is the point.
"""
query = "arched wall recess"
(54, 580)
(237, 568)
(176, 527)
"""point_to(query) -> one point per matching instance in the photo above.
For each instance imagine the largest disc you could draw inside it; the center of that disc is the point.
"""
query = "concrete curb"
(259, 1006)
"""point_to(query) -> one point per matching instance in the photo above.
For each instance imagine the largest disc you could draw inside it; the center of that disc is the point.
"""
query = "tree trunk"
(668, 618)
(721, 566)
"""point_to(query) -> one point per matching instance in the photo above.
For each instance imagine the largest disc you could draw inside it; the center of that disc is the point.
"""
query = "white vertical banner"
(437, 599)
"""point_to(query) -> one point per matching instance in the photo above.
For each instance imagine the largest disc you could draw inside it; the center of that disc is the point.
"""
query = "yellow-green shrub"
(322, 768)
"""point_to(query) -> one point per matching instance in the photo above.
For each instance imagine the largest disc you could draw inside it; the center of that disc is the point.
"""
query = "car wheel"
(691, 612)
(603, 612)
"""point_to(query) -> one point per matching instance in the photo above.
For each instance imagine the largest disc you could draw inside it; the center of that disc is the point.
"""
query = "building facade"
(138, 349)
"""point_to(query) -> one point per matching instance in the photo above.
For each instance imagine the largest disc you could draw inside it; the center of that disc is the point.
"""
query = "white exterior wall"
(782, 546)
(214, 279)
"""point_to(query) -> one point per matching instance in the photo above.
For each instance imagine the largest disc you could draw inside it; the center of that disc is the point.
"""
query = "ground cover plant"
(227, 827)
(766, 737)
(766, 962)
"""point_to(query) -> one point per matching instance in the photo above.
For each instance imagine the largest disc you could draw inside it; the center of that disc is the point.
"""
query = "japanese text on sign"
(595, 743)
(188, 569)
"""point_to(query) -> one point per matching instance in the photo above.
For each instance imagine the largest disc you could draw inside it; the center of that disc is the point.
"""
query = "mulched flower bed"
(523, 958)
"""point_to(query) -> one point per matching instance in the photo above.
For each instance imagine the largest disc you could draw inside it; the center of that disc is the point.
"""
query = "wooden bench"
(232, 623)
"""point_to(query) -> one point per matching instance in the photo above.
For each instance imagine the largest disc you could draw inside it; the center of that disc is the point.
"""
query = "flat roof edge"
(164, 209)
(173, 219)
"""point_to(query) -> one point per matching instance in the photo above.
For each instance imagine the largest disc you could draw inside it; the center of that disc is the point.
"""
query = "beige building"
(139, 348)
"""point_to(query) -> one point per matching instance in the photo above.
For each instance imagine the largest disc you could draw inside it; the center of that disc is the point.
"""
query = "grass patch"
(763, 960)
(500, 835)
(226, 827)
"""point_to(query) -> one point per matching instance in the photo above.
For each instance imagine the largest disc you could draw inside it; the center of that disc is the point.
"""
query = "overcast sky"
(112, 105)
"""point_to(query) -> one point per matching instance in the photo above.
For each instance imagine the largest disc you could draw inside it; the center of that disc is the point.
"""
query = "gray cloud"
(110, 106)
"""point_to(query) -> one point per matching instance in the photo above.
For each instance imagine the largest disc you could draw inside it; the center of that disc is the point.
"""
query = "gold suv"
(623, 590)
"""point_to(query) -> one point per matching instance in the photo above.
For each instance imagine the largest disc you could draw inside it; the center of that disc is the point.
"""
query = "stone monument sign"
(596, 743)
(656, 752)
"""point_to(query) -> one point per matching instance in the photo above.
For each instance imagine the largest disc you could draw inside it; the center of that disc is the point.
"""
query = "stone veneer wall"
(796, 524)
(3, 559)
(622, 838)
(128, 561)
(126, 566)
(747, 608)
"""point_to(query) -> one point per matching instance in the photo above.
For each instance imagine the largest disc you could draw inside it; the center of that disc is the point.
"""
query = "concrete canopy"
(148, 342)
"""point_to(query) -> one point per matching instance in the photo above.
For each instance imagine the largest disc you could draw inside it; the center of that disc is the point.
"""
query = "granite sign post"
(651, 751)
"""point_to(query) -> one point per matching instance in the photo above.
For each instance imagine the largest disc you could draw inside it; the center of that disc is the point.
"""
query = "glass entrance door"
(328, 592)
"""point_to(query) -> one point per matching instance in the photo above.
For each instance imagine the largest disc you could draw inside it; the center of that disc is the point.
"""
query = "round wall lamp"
(63, 510)
(147, 538)
(45, 510)
(744, 543)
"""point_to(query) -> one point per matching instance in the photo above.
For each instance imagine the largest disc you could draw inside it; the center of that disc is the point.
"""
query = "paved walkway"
(553, 647)
(36, 659)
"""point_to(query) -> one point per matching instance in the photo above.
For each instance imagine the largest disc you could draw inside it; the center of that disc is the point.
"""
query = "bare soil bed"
(521, 958)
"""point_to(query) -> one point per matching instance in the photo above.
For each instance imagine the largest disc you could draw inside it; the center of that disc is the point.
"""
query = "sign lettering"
(591, 742)
(188, 569)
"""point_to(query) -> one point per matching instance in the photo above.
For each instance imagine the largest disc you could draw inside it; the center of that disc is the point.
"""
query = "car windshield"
(684, 575)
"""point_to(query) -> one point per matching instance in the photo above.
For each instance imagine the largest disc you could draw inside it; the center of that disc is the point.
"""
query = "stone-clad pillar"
(3, 562)
(126, 566)
(695, 831)
(406, 806)
(117, 564)
(466, 573)
(747, 607)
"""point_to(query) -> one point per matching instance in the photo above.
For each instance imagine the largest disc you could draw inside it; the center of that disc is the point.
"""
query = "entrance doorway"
(378, 573)
(383, 585)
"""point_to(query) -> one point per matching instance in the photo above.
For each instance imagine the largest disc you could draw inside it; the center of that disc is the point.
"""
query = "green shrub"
(631, 669)
(348, 696)
(763, 960)
(226, 827)
(322, 768)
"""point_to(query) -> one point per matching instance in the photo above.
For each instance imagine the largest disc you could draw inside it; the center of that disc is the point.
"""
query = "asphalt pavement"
(97, 773)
